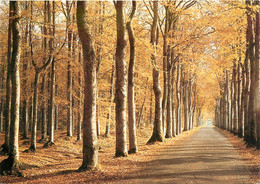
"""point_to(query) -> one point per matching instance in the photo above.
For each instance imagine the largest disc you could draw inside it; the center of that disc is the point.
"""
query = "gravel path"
(206, 157)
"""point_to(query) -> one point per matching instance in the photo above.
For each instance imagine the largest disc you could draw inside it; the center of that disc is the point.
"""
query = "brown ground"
(190, 157)
(250, 155)
(59, 164)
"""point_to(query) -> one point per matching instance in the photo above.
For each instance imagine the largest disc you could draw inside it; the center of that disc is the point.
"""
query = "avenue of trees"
(237, 107)
(91, 67)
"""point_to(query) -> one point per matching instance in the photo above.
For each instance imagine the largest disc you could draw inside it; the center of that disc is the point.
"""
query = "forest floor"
(201, 155)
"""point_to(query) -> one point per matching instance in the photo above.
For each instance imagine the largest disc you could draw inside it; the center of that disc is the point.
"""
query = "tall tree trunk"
(1, 117)
(69, 81)
(158, 134)
(80, 101)
(224, 107)
(131, 90)
(186, 106)
(52, 85)
(121, 81)
(56, 109)
(235, 113)
(178, 119)
(43, 111)
(111, 100)
(13, 159)
(181, 97)
(227, 101)
(174, 127)
(189, 105)
(97, 116)
(246, 97)
(5, 146)
(52, 110)
(151, 108)
(240, 126)
(90, 148)
(252, 95)
(35, 105)
(257, 78)
(165, 83)
(169, 95)
(38, 71)
(15, 78)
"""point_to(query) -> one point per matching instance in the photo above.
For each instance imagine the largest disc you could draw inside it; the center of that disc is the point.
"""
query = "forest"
(90, 88)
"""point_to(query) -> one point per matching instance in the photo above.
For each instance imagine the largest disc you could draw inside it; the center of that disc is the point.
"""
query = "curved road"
(206, 157)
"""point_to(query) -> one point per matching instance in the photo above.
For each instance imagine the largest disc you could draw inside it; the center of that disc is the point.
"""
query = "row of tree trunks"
(243, 119)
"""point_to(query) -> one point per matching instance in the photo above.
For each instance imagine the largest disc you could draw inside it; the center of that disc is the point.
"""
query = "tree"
(90, 148)
(69, 82)
(257, 78)
(38, 71)
(11, 164)
(131, 92)
(121, 81)
(157, 129)
(52, 108)
(251, 140)
(111, 92)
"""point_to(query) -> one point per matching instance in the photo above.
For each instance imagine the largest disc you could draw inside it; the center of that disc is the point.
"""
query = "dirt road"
(206, 157)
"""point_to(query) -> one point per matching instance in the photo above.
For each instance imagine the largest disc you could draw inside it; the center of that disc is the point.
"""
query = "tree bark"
(121, 82)
(240, 126)
(235, 113)
(174, 127)
(181, 96)
(169, 95)
(5, 146)
(52, 85)
(13, 159)
(257, 78)
(80, 103)
(178, 119)
(186, 106)
(111, 100)
(151, 108)
(69, 80)
(43, 111)
(158, 134)
(251, 116)
(131, 90)
(15, 78)
(90, 148)
(227, 101)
